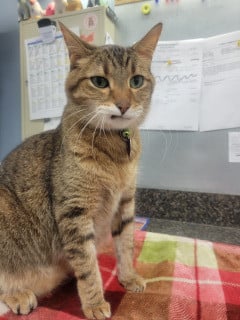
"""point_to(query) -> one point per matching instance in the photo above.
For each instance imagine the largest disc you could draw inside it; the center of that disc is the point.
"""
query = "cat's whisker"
(79, 120)
(103, 129)
(100, 124)
(170, 143)
(87, 123)
(94, 133)
(110, 132)
(165, 148)
(76, 113)
(73, 114)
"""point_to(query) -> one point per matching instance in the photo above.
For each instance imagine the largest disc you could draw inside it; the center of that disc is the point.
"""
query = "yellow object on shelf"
(146, 8)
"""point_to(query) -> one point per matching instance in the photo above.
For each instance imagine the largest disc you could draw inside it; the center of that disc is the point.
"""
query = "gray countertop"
(213, 209)
(212, 217)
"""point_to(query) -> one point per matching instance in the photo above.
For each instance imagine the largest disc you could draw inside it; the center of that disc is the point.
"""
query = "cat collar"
(125, 136)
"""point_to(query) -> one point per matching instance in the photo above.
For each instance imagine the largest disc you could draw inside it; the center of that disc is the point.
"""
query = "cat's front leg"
(123, 234)
(78, 238)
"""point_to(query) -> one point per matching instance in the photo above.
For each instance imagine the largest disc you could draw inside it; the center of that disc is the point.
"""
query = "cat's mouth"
(119, 117)
(116, 117)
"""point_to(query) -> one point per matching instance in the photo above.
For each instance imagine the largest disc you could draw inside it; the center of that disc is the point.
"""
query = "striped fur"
(64, 191)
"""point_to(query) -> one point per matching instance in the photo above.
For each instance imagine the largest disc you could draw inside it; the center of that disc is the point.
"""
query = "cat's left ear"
(77, 48)
(146, 46)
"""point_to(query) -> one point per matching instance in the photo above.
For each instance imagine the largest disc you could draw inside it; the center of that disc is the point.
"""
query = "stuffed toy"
(74, 5)
(36, 10)
(56, 7)
(50, 9)
(23, 10)
(93, 3)
(60, 6)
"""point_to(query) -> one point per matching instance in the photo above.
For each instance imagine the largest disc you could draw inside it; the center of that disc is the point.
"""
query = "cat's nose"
(123, 106)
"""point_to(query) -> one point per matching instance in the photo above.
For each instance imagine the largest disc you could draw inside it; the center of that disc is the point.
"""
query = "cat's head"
(110, 87)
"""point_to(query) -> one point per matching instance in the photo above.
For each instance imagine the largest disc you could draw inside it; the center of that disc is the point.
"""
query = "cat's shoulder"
(34, 146)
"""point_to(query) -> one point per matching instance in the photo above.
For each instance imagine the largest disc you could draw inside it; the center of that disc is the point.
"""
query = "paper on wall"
(177, 67)
(234, 146)
(51, 123)
(220, 106)
(47, 67)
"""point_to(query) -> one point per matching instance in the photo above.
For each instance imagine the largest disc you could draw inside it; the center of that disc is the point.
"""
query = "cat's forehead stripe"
(119, 57)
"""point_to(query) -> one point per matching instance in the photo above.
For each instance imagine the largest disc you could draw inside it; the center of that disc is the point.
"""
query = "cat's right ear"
(77, 48)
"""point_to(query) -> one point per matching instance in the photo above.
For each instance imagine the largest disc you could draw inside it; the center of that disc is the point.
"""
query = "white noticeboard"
(197, 82)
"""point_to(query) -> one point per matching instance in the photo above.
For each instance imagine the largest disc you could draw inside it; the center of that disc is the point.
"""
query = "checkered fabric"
(187, 279)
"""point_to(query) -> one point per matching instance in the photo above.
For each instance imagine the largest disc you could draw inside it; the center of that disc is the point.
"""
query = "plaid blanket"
(188, 279)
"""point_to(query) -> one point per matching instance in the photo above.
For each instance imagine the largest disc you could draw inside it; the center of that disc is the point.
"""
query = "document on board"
(177, 67)
(51, 123)
(221, 82)
(47, 67)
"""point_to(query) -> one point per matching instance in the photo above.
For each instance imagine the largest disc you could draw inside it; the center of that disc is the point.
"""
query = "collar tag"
(125, 135)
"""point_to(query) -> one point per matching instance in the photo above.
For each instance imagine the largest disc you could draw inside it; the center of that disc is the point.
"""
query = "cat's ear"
(77, 48)
(146, 46)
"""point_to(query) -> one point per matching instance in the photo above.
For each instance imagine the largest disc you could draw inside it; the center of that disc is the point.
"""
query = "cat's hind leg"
(20, 292)
(29, 266)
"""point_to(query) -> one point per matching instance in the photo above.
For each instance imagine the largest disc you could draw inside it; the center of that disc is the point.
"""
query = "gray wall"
(184, 160)
(170, 160)
(10, 104)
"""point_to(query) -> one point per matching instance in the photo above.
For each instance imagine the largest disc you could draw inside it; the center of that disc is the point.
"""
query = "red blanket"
(187, 279)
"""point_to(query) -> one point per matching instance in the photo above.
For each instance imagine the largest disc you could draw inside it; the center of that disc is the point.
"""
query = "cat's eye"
(136, 81)
(100, 82)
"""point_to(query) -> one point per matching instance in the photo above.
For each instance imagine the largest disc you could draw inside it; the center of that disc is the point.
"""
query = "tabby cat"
(63, 191)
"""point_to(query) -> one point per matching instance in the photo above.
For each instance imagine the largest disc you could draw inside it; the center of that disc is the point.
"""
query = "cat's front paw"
(134, 284)
(21, 302)
(99, 312)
